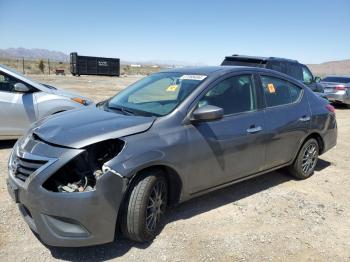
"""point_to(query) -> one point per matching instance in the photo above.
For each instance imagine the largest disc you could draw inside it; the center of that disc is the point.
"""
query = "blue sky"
(192, 31)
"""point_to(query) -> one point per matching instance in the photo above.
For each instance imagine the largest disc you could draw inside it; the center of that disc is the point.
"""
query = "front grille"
(23, 168)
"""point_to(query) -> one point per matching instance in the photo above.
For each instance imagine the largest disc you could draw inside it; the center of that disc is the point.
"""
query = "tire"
(305, 163)
(142, 218)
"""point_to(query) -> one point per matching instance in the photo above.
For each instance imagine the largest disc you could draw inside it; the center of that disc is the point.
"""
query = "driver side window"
(7, 83)
(307, 76)
(234, 95)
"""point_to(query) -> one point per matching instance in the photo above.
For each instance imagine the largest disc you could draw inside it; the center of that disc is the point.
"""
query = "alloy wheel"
(156, 205)
(309, 158)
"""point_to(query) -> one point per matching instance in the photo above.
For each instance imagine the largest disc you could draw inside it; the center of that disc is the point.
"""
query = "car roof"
(213, 70)
(260, 58)
(218, 70)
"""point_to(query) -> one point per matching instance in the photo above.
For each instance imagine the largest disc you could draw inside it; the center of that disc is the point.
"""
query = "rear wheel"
(145, 208)
(305, 163)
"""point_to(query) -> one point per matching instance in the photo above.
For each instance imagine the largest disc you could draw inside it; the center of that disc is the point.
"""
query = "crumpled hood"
(82, 127)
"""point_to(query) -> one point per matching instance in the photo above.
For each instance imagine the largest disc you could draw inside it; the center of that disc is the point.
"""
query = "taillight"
(340, 88)
(330, 108)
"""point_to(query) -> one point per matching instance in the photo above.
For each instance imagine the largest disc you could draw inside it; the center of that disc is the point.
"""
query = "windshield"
(155, 95)
(336, 79)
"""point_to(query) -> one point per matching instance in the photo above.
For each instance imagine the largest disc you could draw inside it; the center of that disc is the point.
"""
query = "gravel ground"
(269, 218)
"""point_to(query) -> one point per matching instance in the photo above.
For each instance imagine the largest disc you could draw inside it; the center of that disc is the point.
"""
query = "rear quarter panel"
(323, 121)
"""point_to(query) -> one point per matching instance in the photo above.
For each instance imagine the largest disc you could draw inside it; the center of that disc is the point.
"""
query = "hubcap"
(156, 205)
(309, 159)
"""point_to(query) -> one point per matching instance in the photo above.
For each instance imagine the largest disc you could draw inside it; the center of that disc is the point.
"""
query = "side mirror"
(22, 88)
(208, 113)
(317, 79)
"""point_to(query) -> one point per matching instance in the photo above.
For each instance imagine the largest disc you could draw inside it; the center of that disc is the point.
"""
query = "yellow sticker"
(271, 88)
(171, 88)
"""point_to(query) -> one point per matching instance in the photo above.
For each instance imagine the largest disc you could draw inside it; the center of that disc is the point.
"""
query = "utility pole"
(48, 63)
(23, 65)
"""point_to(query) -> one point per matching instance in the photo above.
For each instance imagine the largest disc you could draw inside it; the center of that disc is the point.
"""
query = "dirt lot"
(272, 217)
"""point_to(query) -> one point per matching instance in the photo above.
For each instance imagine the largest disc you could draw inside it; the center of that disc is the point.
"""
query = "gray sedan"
(337, 88)
(23, 101)
(82, 175)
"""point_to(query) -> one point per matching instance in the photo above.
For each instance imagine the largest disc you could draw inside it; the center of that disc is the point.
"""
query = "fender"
(130, 167)
(50, 104)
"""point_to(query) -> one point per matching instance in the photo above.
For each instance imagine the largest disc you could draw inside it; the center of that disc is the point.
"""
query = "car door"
(232, 147)
(287, 117)
(17, 110)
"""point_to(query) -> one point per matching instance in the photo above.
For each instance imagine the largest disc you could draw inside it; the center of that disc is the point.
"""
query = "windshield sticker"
(193, 77)
(172, 88)
(271, 88)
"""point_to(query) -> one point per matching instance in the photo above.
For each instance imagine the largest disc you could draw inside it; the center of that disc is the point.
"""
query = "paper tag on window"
(193, 77)
(271, 88)
(171, 88)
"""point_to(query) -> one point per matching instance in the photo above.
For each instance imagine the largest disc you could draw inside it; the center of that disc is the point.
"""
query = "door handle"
(254, 129)
(304, 118)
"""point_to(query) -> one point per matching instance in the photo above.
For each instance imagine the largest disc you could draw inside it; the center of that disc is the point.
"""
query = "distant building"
(135, 65)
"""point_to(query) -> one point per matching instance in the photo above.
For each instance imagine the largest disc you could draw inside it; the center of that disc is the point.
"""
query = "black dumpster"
(90, 65)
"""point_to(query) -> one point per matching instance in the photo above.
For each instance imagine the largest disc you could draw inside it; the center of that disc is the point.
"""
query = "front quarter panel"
(48, 104)
(168, 148)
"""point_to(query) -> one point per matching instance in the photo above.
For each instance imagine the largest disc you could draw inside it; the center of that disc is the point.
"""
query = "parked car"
(287, 66)
(23, 101)
(337, 88)
(172, 136)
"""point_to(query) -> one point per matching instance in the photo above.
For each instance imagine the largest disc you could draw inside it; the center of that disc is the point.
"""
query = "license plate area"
(328, 90)
(12, 188)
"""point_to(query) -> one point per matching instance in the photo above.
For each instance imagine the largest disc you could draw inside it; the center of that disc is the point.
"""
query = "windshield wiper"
(122, 109)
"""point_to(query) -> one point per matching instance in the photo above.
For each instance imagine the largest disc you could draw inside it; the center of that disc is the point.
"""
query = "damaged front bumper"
(62, 218)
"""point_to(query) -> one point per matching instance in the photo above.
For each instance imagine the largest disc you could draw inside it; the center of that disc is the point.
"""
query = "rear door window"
(295, 92)
(279, 92)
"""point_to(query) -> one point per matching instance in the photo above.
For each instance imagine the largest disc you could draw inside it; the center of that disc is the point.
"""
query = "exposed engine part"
(98, 173)
(80, 186)
(82, 172)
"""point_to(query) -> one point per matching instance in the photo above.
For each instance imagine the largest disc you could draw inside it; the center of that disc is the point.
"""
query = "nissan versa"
(80, 176)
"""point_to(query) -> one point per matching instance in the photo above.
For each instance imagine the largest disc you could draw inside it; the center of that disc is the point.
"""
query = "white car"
(23, 101)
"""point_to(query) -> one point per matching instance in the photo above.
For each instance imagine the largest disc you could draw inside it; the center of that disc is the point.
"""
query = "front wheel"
(305, 163)
(145, 208)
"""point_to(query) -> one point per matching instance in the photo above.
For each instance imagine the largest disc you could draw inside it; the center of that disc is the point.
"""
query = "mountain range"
(341, 67)
(34, 53)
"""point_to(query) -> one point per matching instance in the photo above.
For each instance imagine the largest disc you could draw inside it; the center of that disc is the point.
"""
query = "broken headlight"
(81, 173)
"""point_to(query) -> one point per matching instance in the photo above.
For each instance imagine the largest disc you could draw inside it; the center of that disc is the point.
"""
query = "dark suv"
(287, 66)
